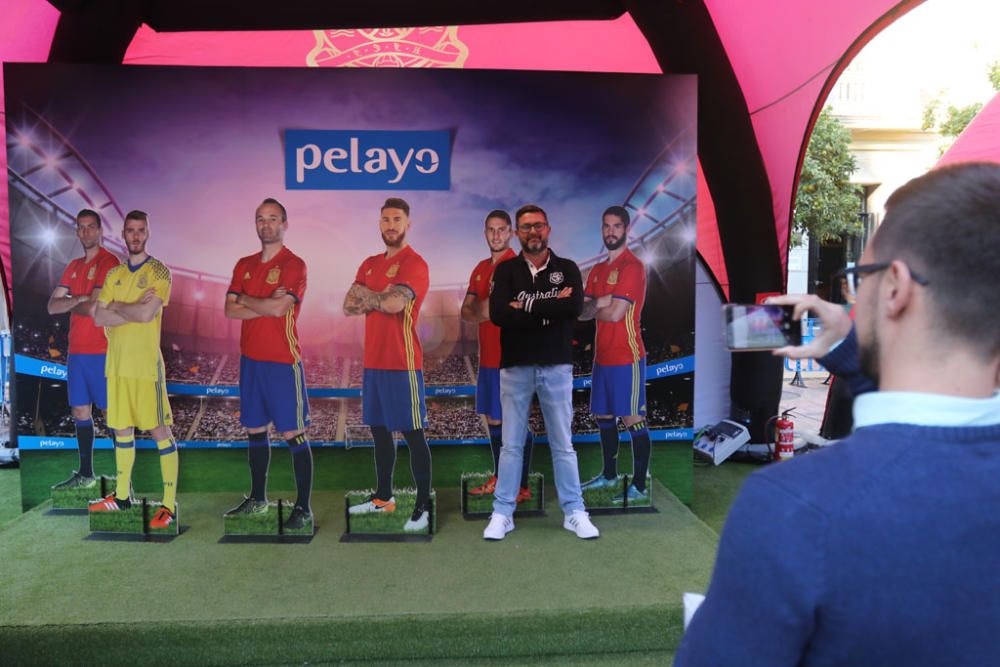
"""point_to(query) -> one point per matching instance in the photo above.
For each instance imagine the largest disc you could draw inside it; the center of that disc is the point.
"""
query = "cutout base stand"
(133, 523)
(267, 527)
(476, 507)
(602, 501)
(386, 526)
(75, 500)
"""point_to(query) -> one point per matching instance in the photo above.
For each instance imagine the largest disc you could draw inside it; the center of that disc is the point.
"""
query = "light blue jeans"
(554, 386)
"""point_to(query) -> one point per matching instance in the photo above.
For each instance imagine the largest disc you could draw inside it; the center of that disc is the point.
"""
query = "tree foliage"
(827, 203)
(956, 119)
(994, 74)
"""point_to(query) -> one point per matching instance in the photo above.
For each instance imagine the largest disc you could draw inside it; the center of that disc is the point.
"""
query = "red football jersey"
(489, 333)
(619, 343)
(82, 277)
(271, 338)
(391, 341)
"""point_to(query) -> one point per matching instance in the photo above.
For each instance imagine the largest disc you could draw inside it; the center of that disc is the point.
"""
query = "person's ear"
(898, 288)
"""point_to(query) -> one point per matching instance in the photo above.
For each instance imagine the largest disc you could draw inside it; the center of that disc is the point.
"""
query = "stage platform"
(541, 592)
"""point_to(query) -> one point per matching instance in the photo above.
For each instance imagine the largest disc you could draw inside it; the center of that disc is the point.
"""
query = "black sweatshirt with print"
(540, 333)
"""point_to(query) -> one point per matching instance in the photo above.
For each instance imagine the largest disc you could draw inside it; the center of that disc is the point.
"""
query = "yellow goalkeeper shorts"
(138, 402)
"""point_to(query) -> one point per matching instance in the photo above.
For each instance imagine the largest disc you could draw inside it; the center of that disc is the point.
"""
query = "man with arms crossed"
(881, 550)
(388, 290)
(130, 307)
(77, 294)
(476, 309)
(535, 300)
(266, 294)
(616, 290)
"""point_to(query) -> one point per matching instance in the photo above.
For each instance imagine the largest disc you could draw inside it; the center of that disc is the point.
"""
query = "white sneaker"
(579, 523)
(373, 504)
(498, 527)
(417, 521)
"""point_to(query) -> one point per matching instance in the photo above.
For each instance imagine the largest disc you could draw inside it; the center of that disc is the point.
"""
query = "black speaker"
(755, 391)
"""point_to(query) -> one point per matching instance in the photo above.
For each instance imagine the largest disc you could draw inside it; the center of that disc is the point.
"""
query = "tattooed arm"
(360, 300)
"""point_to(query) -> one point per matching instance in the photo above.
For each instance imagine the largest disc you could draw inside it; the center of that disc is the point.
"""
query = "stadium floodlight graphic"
(45, 168)
(662, 197)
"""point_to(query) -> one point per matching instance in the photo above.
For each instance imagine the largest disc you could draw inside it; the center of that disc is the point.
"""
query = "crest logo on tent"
(437, 46)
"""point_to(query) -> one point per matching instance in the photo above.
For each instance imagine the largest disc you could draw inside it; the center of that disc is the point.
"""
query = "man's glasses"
(534, 227)
(854, 275)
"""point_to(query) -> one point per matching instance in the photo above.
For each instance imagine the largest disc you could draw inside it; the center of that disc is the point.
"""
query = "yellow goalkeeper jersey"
(134, 347)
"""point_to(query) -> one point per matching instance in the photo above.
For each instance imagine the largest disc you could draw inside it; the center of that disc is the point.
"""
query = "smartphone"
(751, 327)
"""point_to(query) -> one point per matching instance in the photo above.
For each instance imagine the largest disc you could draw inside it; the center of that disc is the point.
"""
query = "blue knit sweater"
(882, 550)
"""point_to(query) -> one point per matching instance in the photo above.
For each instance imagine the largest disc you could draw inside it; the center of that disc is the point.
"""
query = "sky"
(940, 49)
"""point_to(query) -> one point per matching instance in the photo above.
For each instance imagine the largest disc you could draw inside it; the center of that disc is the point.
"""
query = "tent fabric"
(980, 140)
(787, 56)
(783, 55)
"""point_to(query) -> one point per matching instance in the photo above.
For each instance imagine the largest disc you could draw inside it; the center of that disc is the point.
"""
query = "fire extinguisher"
(784, 437)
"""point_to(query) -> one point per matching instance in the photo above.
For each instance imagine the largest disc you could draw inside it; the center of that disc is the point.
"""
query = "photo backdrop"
(199, 148)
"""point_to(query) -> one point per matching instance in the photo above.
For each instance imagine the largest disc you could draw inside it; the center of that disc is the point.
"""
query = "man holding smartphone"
(881, 549)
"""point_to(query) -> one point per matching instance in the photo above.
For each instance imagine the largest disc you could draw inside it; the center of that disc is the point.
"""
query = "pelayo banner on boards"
(200, 148)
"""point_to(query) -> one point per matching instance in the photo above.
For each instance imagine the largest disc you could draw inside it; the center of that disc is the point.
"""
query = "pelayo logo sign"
(367, 160)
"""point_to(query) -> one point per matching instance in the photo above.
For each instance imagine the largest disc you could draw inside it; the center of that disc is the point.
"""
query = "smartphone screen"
(760, 327)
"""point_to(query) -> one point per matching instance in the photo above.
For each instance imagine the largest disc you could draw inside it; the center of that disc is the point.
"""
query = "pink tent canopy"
(764, 70)
(980, 140)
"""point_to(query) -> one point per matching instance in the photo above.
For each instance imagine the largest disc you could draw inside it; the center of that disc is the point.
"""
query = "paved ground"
(809, 402)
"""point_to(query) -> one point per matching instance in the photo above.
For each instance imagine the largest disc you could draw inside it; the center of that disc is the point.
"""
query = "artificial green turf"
(225, 470)
(569, 637)
(264, 523)
(715, 488)
(604, 497)
(10, 495)
(128, 520)
(540, 592)
(669, 463)
(601, 498)
(376, 523)
(134, 520)
(80, 497)
(483, 504)
(308, 526)
(615, 659)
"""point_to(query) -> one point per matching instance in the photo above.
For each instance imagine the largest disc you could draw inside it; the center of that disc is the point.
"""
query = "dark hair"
(619, 212)
(136, 214)
(530, 208)
(272, 200)
(946, 226)
(88, 213)
(396, 202)
(497, 213)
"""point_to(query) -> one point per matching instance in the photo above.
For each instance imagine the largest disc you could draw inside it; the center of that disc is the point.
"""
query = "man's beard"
(869, 353)
(394, 244)
(141, 249)
(614, 245)
(526, 246)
